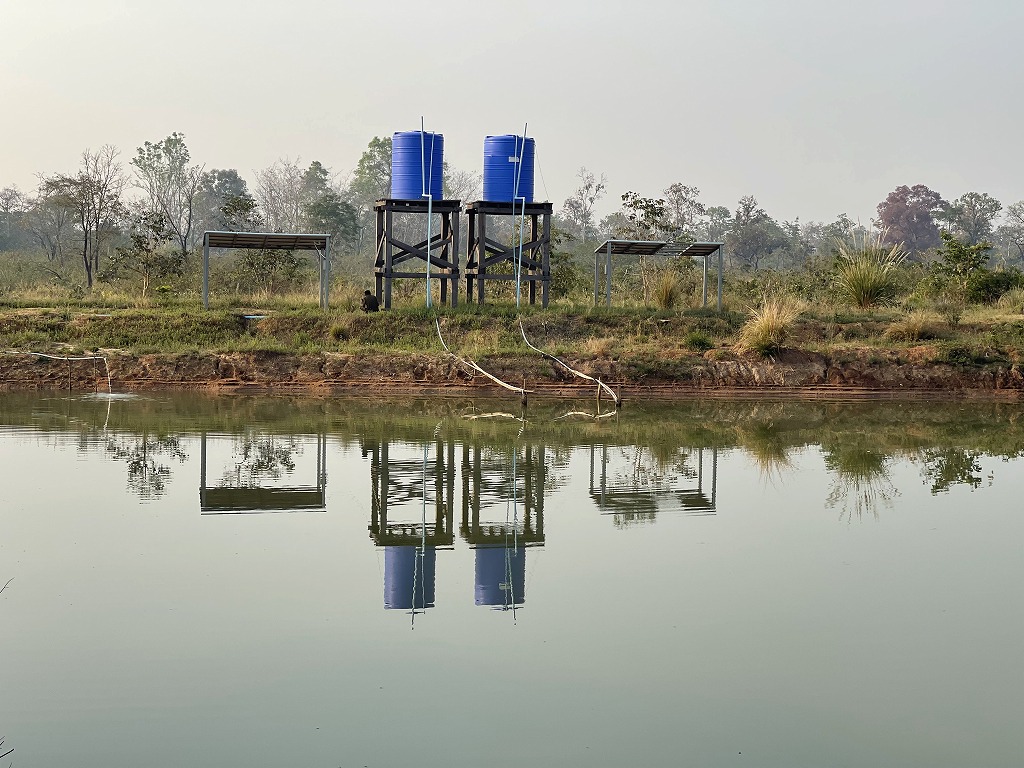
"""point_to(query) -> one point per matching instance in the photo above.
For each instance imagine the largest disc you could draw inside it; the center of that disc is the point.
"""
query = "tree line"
(914, 216)
(142, 220)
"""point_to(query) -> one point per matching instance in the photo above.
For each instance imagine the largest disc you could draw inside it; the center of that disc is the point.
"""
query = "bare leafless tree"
(279, 192)
(578, 209)
(92, 198)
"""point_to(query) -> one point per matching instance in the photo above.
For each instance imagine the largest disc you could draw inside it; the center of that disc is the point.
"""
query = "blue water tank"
(505, 158)
(500, 576)
(417, 164)
(409, 578)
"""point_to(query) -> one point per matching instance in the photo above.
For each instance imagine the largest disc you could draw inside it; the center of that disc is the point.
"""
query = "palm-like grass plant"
(866, 269)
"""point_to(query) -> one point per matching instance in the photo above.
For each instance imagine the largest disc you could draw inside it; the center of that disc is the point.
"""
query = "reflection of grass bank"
(859, 440)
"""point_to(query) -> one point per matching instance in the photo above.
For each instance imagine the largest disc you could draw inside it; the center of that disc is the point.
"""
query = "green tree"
(171, 185)
(324, 210)
(224, 190)
(371, 180)
(959, 260)
(646, 218)
(715, 224)
(753, 234)
(151, 254)
(971, 216)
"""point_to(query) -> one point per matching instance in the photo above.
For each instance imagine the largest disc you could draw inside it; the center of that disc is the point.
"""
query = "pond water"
(269, 581)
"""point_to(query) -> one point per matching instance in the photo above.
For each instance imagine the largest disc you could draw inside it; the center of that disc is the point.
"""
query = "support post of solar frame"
(206, 270)
(720, 267)
(608, 277)
(704, 284)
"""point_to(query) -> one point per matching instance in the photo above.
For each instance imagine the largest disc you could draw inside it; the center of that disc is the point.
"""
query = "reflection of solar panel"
(632, 500)
(253, 499)
(220, 501)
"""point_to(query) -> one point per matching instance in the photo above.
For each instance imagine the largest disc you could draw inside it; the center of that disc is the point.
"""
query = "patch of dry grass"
(917, 326)
(599, 346)
(770, 325)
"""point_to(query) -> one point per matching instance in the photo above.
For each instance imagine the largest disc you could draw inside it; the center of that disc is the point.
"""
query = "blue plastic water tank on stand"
(417, 156)
(505, 158)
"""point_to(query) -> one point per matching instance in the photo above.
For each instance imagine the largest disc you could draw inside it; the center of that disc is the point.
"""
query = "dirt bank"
(868, 372)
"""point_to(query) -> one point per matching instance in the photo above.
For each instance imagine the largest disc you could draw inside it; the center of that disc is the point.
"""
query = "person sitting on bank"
(369, 302)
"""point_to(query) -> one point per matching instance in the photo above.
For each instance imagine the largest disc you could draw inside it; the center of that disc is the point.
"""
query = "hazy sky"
(814, 107)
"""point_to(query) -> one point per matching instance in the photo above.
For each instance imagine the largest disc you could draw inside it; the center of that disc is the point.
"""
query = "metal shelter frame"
(271, 241)
(611, 248)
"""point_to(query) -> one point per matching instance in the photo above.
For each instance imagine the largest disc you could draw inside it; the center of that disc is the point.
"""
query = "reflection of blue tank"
(401, 579)
(500, 576)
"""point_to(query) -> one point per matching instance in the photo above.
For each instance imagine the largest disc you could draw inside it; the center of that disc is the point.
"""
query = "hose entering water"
(110, 388)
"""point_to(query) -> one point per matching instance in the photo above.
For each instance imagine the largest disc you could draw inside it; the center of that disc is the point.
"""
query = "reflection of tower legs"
(603, 483)
(411, 543)
(500, 557)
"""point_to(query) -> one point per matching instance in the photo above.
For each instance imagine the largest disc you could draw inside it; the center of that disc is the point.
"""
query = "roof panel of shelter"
(286, 241)
(700, 250)
(631, 247)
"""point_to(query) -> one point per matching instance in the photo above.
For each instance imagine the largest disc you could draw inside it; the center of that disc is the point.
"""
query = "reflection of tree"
(861, 483)
(261, 457)
(145, 457)
(943, 467)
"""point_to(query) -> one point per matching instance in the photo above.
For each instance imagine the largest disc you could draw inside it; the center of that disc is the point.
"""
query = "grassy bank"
(978, 336)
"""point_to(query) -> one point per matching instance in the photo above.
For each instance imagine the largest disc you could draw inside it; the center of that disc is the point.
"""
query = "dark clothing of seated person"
(369, 302)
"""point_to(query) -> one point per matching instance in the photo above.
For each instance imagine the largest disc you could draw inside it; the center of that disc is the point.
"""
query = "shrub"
(986, 286)
(769, 325)
(698, 341)
(951, 310)
(960, 356)
(867, 269)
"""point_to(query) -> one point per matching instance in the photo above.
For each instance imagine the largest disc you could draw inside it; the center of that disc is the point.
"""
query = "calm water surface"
(275, 581)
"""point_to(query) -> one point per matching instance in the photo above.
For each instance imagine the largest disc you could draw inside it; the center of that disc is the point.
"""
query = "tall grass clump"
(867, 269)
(917, 326)
(1012, 300)
(668, 290)
(769, 325)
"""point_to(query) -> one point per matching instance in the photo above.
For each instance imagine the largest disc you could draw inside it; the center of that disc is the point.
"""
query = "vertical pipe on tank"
(427, 185)
(520, 153)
